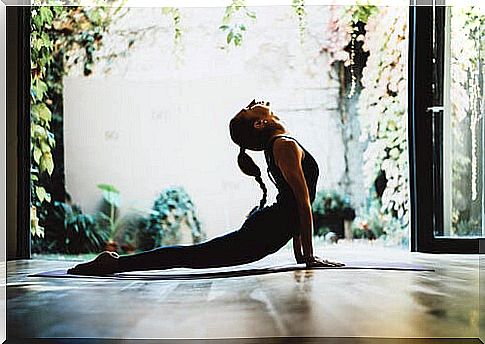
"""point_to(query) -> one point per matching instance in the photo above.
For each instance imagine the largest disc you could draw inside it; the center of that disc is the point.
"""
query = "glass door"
(463, 122)
(446, 127)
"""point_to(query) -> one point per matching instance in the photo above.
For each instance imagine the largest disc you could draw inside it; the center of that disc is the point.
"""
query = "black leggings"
(263, 233)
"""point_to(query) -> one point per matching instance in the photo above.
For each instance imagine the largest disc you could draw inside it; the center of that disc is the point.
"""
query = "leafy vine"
(61, 36)
(235, 30)
(299, 8)
(177, 37)
(382, 109)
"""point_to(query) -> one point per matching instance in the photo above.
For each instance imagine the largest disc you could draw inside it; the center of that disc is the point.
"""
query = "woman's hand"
(315, 261)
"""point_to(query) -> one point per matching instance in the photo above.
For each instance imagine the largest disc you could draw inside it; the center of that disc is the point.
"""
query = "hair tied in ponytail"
(248, 167)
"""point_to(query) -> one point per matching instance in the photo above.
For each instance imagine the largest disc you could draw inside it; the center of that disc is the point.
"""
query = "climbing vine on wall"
(178, 50)
(382, 109)
(234, 21)
(299, 8)
(346, 32)
(61, 37)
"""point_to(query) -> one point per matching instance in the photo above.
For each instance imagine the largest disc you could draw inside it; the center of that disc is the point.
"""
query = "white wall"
(142, 123)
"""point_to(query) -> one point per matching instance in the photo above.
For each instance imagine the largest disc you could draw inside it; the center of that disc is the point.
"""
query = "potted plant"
(332, 212)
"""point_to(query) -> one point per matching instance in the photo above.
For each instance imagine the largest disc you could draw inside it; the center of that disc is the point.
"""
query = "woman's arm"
(288, 156)
(297, 249)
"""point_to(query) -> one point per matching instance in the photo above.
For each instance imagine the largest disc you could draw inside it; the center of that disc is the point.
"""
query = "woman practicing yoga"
(267, 228)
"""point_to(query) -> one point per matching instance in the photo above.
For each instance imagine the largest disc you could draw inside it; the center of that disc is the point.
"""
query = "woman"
(268, 228)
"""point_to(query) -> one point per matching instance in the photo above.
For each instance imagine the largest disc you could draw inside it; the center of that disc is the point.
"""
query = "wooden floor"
(312, 303)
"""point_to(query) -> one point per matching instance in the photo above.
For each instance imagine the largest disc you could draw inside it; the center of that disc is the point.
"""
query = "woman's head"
(252, 128)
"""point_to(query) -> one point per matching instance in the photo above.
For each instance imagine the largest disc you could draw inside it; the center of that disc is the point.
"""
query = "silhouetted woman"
(267, 229)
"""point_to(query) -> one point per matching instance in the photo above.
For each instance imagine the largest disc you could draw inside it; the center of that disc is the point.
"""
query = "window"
(446, 128)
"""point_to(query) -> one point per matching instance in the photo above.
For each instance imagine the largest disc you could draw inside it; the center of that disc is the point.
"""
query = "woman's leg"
(261, 234)
(231, 249)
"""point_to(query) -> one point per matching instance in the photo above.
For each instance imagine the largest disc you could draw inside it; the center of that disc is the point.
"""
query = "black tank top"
(310, 170)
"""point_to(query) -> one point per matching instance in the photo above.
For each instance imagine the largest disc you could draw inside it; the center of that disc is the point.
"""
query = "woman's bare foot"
(105, 263)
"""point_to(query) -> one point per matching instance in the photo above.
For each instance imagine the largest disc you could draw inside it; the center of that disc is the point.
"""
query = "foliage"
(330, 209)
(322, 231)
(42, 139)
(172, 209)
(342, 29)
(346, 32)
(129, 228)
(237, 9)
(468, 228)
(72, 231)
(61, 36)
(330, 202)
(36, 230)
(382, 108)
(371, 222)
(299, 8)
(112, 196)
(174, 12)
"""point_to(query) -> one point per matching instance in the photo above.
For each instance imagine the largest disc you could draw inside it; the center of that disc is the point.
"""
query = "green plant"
(321, 231)
(330, 209)
(61, 37)
(383, 115)
(128, 229)
(371, 222)
(346, 31)
(470, 227)
(171, 209)
(178, 48)
(330, 202)
(112, 196)
(299, 8)
(175, 13)
(235, 31)
(72, 231)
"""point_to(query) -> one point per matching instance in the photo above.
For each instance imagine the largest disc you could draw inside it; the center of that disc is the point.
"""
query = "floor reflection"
(303, 303)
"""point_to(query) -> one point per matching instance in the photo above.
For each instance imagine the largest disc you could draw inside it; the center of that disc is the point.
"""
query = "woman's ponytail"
(248, 167)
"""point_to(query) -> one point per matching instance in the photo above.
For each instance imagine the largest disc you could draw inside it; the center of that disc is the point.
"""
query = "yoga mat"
(190, 274)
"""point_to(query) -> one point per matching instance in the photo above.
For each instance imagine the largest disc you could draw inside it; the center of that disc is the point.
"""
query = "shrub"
(331, 203)
(128, 229)
(330, 209)
(72, 231)
(171, 209)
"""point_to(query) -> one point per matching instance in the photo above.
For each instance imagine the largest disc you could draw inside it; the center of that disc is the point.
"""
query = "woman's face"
(262, 116)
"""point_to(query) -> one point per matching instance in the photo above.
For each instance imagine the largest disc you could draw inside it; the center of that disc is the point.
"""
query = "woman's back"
(310, 169)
